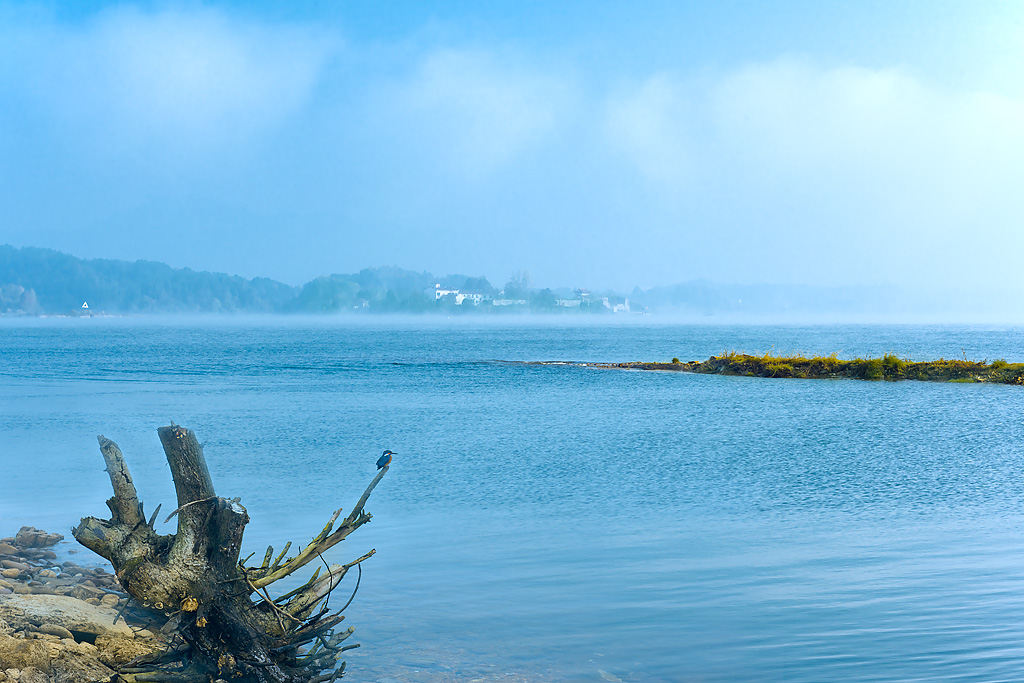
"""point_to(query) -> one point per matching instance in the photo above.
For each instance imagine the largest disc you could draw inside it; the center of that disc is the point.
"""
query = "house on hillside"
(437, 292)
(615, 304)
(474, 298)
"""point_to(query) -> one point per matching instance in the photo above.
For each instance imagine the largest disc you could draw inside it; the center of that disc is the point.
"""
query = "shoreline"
(61, 622)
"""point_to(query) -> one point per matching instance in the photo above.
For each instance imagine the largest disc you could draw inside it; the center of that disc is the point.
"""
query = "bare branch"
(304, 602)
(358, 509)
(124, 506)
(152, 518)
(324, 540)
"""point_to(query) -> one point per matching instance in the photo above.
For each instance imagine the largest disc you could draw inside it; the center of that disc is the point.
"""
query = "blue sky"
(591, 144)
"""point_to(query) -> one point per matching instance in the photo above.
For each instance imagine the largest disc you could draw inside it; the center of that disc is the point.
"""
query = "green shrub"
(999, 364)
(779, 370)
(872, 369)
(892, 366)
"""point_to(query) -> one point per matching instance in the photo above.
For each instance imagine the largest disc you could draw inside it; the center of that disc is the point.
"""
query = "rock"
(5, 629)
(19, 653)
(43, 590)
(22, 589)
(7, 549)
(117, 651)
(4, 584)
(55, 630)
(30, 537)
(92, 601)
(73, 667)
(11, 564)
(12, 674)
(83, 592)
(47, 574)
(5, 591)
(109, 600)
(10, 573)
(31, 611)
(33, 675)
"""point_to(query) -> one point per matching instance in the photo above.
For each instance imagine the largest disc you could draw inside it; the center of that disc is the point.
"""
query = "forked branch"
(268, 574)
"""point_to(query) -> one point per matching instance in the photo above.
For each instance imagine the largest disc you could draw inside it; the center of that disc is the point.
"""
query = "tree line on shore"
(35, 281)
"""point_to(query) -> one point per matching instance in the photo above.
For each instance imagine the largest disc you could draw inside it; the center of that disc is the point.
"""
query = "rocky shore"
(61, 622)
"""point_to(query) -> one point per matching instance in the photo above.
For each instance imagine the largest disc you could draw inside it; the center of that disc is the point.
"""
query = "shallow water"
(557, 523)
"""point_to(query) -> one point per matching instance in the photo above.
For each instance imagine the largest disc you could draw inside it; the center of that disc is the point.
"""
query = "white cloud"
(475, 111)
(651, 124)
(874, 164)
(171, 79)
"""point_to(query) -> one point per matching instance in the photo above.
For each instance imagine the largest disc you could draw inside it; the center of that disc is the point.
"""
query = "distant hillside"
(36, 280)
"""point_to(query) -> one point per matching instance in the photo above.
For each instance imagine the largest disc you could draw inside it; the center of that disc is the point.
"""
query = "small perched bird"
(385, 460)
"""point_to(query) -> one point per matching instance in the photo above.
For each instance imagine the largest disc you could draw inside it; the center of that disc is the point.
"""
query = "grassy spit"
(888, 367)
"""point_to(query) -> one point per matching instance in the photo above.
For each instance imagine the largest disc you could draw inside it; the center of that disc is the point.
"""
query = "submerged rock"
(31, 537)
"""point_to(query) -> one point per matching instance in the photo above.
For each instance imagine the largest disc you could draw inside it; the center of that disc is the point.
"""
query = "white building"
(440, 291)
(474, 298)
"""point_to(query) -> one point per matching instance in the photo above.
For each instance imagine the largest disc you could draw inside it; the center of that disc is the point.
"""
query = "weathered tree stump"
(195, 577)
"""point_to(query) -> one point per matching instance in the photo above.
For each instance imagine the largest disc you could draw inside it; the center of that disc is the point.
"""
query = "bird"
(385, 460)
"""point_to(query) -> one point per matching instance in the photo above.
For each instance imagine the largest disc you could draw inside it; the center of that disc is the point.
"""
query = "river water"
(557, 523)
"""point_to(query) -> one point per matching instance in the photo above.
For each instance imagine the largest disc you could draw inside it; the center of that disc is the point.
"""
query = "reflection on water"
(554, 523)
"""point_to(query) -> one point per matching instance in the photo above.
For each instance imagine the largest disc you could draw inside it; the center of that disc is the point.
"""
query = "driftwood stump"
(195, 577)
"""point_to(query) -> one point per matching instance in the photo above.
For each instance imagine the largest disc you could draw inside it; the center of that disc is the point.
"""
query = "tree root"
(195, 577)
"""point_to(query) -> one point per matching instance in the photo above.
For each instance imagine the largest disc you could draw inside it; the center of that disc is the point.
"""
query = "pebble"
(11, 573)
(93, 601)
(8, 549)
(109, 600)
(56, 630)
(22, 589)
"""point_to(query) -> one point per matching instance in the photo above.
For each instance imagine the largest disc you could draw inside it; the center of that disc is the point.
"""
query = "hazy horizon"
(586, 143)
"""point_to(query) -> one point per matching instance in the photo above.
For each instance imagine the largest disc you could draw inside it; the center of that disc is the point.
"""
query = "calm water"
(553, 523)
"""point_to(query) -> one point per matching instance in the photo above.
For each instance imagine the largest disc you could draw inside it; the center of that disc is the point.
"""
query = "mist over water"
(555, 522)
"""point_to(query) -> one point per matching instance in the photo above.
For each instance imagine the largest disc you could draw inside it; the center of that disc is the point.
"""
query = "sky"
(589, 143)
